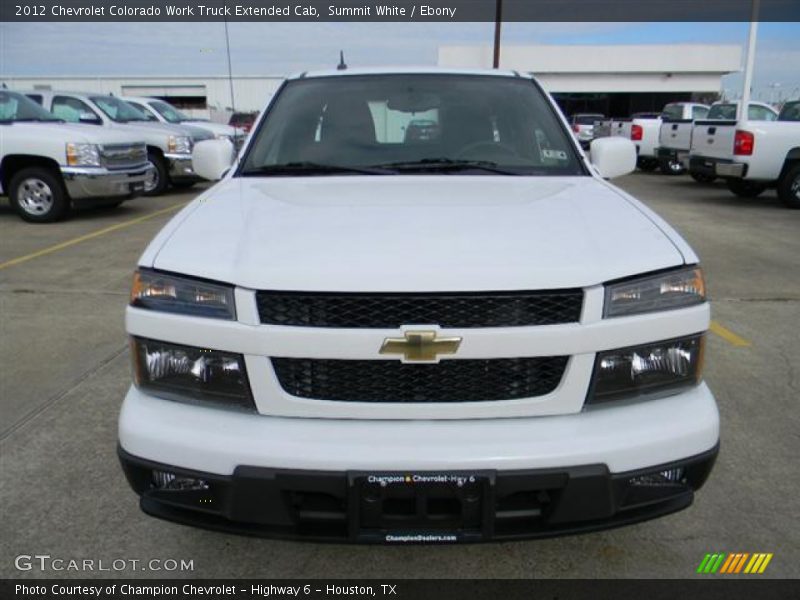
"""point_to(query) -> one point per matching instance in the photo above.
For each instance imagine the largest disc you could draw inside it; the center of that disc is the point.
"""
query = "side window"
(759, 113)
(36, 98)
(146, 110)
(72, 110)
(699, 112)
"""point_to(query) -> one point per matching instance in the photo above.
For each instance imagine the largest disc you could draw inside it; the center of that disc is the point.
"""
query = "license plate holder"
(421, 506)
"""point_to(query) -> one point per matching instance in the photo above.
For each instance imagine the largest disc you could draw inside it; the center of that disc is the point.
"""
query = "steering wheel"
(494, 147)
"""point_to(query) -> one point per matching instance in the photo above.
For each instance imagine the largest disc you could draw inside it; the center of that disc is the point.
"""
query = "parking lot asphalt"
(63, 290)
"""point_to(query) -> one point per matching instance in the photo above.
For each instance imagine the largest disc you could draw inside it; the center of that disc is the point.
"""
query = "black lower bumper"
(716, 167)
(448, 506)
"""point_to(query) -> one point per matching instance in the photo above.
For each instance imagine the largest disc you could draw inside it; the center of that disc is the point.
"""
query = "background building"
(613, 80)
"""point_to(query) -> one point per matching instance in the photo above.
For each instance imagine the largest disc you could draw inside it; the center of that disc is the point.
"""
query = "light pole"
(498, 19)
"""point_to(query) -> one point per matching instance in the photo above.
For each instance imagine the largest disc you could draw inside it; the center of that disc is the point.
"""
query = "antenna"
(342, 65)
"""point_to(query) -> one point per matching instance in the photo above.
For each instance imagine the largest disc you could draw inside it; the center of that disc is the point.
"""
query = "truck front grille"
(123, 156)
(391, 310)
(393, 381)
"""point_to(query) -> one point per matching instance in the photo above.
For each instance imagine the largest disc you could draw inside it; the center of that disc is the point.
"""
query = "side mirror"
(89, 118)
(613, 156)
(211, 158)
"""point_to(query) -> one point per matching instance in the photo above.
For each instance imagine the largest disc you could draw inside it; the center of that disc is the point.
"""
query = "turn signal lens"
(176, 294)
(663, 291)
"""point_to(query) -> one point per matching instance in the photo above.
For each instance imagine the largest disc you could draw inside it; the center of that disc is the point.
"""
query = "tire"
(744, 188)
(647, 164)
(38, 195)
(702, 177)
(789, 188)
(671, 167)
(158, 182)
(183, 185)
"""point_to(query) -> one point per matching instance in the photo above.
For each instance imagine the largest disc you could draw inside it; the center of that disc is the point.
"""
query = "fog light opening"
(165, 480)
(669, 477)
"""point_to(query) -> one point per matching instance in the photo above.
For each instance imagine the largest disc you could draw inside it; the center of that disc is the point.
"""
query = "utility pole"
(498, 19)
(230, 70)
(748, 69)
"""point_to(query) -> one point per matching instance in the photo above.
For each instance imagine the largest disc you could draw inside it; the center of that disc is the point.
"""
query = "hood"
(211, 127)
(78, 133)
(414, 233)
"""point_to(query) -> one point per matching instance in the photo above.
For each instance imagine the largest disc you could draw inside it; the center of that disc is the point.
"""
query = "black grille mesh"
(391, 310)
(393, 381)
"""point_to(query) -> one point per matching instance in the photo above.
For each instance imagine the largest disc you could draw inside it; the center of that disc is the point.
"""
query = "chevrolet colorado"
(365, 336)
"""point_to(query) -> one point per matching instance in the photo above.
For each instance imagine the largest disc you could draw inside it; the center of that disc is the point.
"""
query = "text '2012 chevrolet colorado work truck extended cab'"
(361, 335)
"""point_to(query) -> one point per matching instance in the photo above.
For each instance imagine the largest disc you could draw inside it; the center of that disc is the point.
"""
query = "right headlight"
(663, 291)
(178, 144)
(656, 368)
(176, 294)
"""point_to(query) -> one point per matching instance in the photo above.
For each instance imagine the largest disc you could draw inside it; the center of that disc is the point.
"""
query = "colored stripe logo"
(735, 563)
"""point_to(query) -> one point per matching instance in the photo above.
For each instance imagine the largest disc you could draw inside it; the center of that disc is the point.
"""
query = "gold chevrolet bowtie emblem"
(420, 346)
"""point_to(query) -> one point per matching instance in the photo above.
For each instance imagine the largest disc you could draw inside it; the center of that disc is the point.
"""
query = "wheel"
(158, 180)
(647, 164)
(744, 188)
(702, 177)
(789, 187)
(183, 185)
(671, 166)
(38, 195)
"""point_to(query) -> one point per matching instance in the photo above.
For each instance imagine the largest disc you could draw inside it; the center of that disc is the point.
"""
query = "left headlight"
(656, 368)
(663, 291)
(179, 144)
(183, 295)
(190, 374)
(83, 155)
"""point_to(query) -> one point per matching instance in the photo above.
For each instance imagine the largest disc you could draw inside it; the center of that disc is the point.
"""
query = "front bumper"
(717, 167)
(179, 167)
(99, 182)
(291, 477)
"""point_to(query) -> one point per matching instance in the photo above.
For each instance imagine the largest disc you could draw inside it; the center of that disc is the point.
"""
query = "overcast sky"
(281, 48)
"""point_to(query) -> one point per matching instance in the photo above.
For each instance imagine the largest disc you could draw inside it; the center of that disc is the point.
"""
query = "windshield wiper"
(448, 165)
(311, 168)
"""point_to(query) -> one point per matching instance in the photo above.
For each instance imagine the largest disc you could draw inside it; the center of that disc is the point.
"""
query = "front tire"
(38, 195)
(158, 180)
(671, 166)
(789, 188)
(744, 188)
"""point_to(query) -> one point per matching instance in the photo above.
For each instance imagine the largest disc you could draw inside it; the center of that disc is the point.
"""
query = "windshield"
(118, 110)
(18, 107)
(790, 112)
(169, 112)
(672, 111)
(401, 124)
(722, 112)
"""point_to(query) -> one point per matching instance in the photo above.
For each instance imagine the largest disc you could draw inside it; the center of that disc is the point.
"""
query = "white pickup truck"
(360, 335)
(751, 155)
(642, 130)
(169, 147)
(47, 165)
(675, 134)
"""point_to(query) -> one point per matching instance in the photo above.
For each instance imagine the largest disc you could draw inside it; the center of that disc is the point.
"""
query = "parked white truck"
(47, 165)
(362, 336)
(169, 147)
(751, 155)
(675, 134)
(642, 129)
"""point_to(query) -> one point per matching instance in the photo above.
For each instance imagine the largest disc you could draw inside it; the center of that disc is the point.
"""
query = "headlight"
(187, 374)
(171, 293)
(224, 136)
(646, 369)
(665, 291)
(83, 155)
(179, 144)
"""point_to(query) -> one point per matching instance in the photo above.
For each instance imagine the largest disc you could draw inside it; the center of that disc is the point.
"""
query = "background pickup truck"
(583, 127)
(675, 134)
(750, 155)
(46, 164)
(169, 147)
(642, 129)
